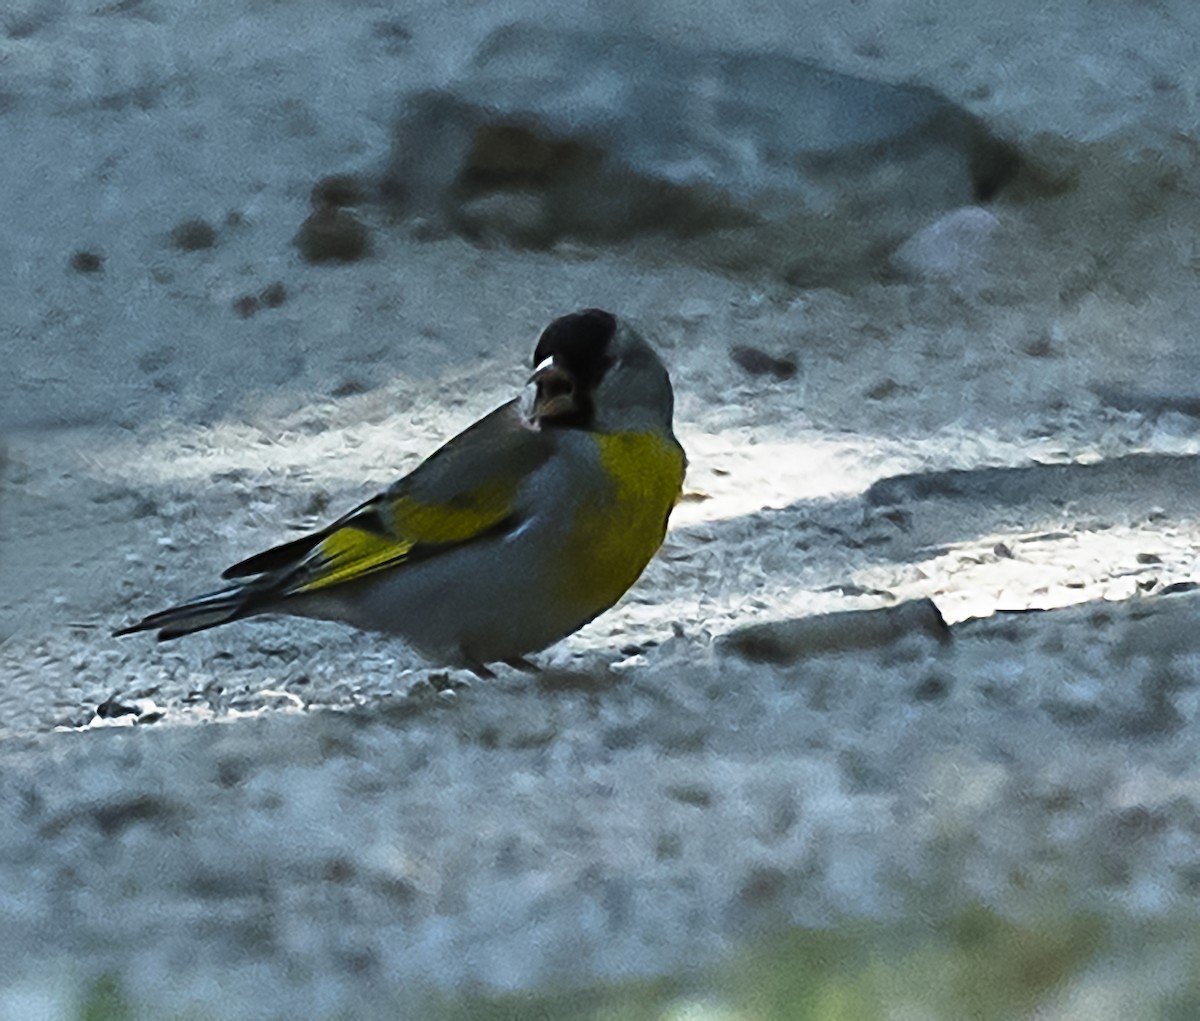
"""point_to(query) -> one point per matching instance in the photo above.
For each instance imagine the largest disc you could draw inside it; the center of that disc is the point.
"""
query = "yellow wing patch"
(460, 518)
(352, 551)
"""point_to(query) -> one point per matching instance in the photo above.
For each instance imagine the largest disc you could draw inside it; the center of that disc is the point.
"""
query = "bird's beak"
(555, 392)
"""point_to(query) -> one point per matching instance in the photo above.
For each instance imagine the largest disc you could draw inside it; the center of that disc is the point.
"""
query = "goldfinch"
(511, 536)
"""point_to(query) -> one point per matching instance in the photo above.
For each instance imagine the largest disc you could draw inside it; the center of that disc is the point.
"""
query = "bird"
(511, 536)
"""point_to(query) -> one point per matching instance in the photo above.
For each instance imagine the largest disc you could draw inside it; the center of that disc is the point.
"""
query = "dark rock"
(737, 161)
(193, 235)
(786, 641)
(337, 190)
(332, 235)
(113, 708)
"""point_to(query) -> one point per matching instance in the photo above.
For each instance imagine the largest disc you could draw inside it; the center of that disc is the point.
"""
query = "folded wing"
(468, 489)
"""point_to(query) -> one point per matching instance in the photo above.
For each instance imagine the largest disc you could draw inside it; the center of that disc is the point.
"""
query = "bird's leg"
(524, 665)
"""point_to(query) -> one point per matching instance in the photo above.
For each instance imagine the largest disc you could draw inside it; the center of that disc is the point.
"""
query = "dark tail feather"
(367, 516)
(276, 558)
(197, 614)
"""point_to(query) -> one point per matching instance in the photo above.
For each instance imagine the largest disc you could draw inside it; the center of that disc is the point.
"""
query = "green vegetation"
(975, 966)
(979, 966)
(104, 1001)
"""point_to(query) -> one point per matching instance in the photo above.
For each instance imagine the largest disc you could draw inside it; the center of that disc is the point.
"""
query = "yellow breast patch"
(613, 540)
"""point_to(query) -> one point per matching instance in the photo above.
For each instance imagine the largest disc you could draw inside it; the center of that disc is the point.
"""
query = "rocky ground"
(284, 819)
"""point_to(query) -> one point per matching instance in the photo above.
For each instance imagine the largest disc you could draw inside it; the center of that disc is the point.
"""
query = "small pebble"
(87, 262)
(759, 363)
(953, 248)
(883, 389)
(273, 295)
